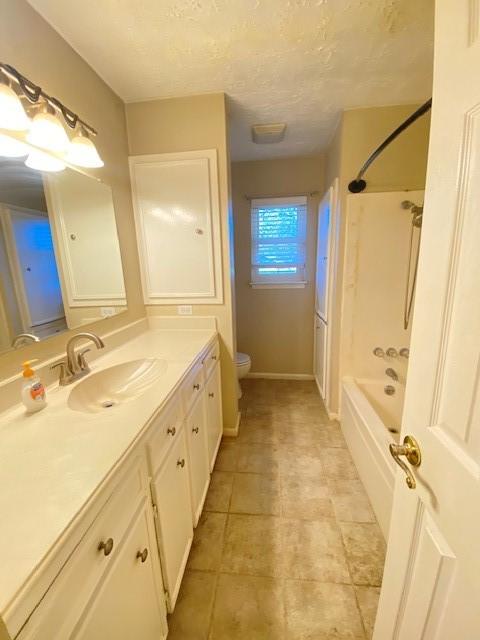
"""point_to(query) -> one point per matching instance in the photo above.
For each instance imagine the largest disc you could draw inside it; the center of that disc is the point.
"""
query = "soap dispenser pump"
(33, 391)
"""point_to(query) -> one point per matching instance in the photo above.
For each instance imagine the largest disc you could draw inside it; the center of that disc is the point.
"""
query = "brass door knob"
(142, 555)
(106, 546)
(411, 451)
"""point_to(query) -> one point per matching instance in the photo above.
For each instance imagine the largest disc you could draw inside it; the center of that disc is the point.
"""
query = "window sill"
(278, 285)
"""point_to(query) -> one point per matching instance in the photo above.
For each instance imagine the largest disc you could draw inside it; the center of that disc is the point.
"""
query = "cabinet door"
(197, 440)
(214, 414)
(129, 603)
(174, 516)
(175, 197)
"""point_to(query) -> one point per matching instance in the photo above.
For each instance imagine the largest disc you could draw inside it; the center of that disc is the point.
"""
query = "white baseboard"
(282, 376)
(233, 433)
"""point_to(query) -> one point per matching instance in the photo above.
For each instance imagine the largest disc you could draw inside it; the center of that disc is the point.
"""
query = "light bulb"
(83, 152)
(47, 132)
(11, 148)
(12, 113)
(43, 161)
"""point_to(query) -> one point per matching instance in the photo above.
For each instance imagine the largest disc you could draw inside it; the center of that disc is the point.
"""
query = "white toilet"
(243, 364)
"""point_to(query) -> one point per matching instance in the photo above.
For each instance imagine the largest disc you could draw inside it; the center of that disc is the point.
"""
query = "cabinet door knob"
(106, 546)
(142, 555)
(214, 357)
(195, 430)
(211, 395)
(196, 387)
(181, 462)
(171, 430)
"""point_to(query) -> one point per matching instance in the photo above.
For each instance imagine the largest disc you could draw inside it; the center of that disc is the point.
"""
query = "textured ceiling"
(294, 61)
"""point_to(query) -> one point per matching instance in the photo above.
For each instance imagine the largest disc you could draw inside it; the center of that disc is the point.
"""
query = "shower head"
(415, 209)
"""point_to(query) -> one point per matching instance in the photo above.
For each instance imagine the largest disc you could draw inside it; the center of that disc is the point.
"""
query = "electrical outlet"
(184, 310)
(107, 312)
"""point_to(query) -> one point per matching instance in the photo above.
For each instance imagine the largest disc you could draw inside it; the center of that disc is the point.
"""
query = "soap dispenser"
(33, 391)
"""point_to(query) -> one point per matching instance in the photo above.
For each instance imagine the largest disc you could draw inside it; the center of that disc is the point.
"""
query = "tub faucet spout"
(391, 373)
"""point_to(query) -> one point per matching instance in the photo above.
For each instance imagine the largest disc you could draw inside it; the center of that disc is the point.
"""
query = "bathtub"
(370, 422)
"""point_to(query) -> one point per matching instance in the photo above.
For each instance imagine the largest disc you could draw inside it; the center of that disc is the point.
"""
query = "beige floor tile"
(258, 458)
(368, 602)
(305, 499)
(314, 550)
(311, 413)
(365, 552)
(248, 608)
(301, 461)
(227, 456)
(256, 493)
(331, 436)
(206, 552)
(219, 491)
(353, 508)
(318, 611)
(258, 431)
(253, 546)
(191, 618)
(338, 463)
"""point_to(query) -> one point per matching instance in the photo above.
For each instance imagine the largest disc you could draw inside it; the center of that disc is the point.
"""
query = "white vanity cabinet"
(197, 441)
(111, 586)
(171, 499)
(213, 402)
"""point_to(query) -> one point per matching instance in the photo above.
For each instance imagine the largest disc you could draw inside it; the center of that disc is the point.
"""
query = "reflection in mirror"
(60, 263)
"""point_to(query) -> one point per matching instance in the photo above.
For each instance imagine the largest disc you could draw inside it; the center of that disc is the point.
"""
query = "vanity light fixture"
(45, 134)
(83, 152)
(11, 148)
(12, 113)
(43, 161)
(47, 131)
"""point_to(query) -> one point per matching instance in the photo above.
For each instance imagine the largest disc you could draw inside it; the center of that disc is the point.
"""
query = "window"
(278, 242)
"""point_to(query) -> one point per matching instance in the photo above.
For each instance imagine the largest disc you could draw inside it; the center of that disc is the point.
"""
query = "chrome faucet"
(75, 366)
(23, 339)
(391, 373)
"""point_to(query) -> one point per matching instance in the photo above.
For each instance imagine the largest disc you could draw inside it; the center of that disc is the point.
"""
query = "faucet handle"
(392, 352)
(378, 351)
(82, 363)
(64, 375)
(404, 352)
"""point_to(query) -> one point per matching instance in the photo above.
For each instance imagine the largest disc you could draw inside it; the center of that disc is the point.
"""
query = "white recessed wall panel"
(175, 197)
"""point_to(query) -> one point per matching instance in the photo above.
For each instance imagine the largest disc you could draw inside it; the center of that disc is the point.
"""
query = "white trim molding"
(282, 376)
(233, 432)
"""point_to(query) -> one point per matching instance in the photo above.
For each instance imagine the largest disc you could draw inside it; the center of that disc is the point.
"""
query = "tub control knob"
(404, 352)
(379, 352)
(392, 352)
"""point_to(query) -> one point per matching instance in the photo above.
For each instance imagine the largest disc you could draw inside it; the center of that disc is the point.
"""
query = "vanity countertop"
(53, 461)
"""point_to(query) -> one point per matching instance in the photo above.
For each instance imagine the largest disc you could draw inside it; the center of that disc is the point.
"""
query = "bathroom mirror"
(60, 262)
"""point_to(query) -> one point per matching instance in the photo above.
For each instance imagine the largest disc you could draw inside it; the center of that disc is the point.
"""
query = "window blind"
(278, 240)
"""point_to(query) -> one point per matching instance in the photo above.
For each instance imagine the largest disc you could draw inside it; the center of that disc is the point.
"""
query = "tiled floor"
(288, 547)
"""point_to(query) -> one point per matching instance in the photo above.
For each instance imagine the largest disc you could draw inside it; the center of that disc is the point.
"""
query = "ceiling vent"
(268, 133)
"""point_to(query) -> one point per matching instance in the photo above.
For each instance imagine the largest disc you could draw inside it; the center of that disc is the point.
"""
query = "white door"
(197, 441)
(214, 414)
(326, 210)
(320, 355)
(129, 602)
(171, 493)
(431, 585)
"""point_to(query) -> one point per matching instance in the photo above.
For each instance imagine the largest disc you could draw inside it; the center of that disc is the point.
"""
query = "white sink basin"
(103, 390)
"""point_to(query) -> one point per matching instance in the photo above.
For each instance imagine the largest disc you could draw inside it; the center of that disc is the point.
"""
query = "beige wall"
(401, 166)
(275, 326)
(187, 124)
(28, 43)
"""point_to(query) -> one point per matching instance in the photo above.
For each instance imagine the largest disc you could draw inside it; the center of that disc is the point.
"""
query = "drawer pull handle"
(211, 395)
(106, 546)
(171, 430)
(195, 430)
(196, 387)
(181, 462)
(214, 357)
(142, 555)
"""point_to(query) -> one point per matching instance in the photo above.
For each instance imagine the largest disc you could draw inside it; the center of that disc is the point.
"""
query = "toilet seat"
(241, 359)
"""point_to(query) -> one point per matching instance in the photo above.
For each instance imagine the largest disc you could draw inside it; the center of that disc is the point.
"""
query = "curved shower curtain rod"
(358, 185)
